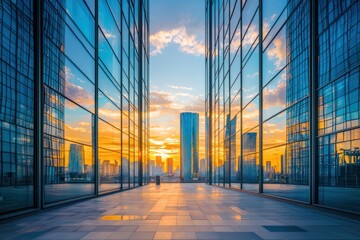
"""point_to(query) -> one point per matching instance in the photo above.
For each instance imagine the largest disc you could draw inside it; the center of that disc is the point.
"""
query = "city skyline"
(177, 41)
(254, 95)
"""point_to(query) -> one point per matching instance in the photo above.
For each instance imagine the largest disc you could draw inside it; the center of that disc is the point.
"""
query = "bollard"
(157, 180)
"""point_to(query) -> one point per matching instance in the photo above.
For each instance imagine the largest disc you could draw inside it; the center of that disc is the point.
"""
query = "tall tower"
(76, 159)
(170, 165)
(189, 146)
(158, 161)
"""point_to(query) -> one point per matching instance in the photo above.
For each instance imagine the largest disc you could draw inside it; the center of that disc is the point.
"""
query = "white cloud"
(251, 35)
(181, 87)
(188, 43)
(277, 52)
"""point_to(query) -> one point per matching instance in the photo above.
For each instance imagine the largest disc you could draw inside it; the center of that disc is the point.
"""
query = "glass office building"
(283, 99)
(74, 91)
(189, 146)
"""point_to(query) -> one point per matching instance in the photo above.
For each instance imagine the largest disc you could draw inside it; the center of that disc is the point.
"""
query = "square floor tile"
(284, 229)
(120, 235)
(142, 235)
(183, 235)
(163, 235)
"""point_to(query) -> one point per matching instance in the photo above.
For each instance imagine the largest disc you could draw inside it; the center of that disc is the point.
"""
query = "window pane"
(108, 111)
(274, 131)
(82, 17)
(274, 96)
(274, 57)
(109, 170)
(78, 124)
(78, 54)
(251, 115)
(78, 87)
(251, 78)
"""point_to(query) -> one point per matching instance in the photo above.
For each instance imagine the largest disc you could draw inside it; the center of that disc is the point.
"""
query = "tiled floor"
(182, 211)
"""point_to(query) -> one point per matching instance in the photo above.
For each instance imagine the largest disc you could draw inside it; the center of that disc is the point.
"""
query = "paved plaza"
(182, 211)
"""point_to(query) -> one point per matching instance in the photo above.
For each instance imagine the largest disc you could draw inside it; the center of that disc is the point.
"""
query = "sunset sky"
(177, 79)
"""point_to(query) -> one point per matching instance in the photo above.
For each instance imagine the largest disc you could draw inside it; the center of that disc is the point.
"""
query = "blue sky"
(177, 74)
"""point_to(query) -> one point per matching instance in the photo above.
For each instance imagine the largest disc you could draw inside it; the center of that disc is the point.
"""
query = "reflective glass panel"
(271, 12)
(78, 88)
(70, 174)
(108, 88)
(274, 131)
(82, 17)
(109, 170)
(78, 123)
(250, 83)
(109, 137)
(109, 27)
(79, 55)
(108, 57)
(250, 115)
(274, 95)
(108, 111)
(274, 57)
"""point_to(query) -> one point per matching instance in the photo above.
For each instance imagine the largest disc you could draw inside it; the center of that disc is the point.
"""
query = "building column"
(140, 91)
(96, 121)
(39, 99)
(313, 77)
(210, 90)
(261, 172)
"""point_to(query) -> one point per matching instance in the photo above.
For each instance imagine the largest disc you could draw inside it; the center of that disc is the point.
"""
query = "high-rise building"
(189, 146)
(73, 95)
(76, 159)
(151, 167)
(287, 73)
(158, 160)
(105, 165)
(203, 168)
(170, 165)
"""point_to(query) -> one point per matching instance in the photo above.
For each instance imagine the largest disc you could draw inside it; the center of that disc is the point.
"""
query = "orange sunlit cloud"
(165, 135)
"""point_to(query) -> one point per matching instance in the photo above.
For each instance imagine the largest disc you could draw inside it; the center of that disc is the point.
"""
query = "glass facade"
(16, 105)
(282, 99)
(90, 91)
(338, 96)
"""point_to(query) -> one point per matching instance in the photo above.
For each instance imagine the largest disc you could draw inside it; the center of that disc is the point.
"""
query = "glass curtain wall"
(339, 104)
(17, 99)
(109, 95)
(93, 94)
(93, 99)
(285, 75)
(69, 100)
(261, 79)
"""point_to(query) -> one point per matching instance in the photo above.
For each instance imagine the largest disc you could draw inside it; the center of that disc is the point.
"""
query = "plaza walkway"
(182, 211)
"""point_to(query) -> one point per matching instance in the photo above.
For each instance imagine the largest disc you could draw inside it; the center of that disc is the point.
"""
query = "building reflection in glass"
(339, 105)
(94, 117)
(68, 108)
(261, 76)
(16, 105)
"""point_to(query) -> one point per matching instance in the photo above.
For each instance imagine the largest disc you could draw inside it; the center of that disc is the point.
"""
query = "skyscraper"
(74, 86)
(169, 165)
(151, 165)
(158, 161)
(203, 168)
(189, 146)
(289, 73)
(76, 159)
